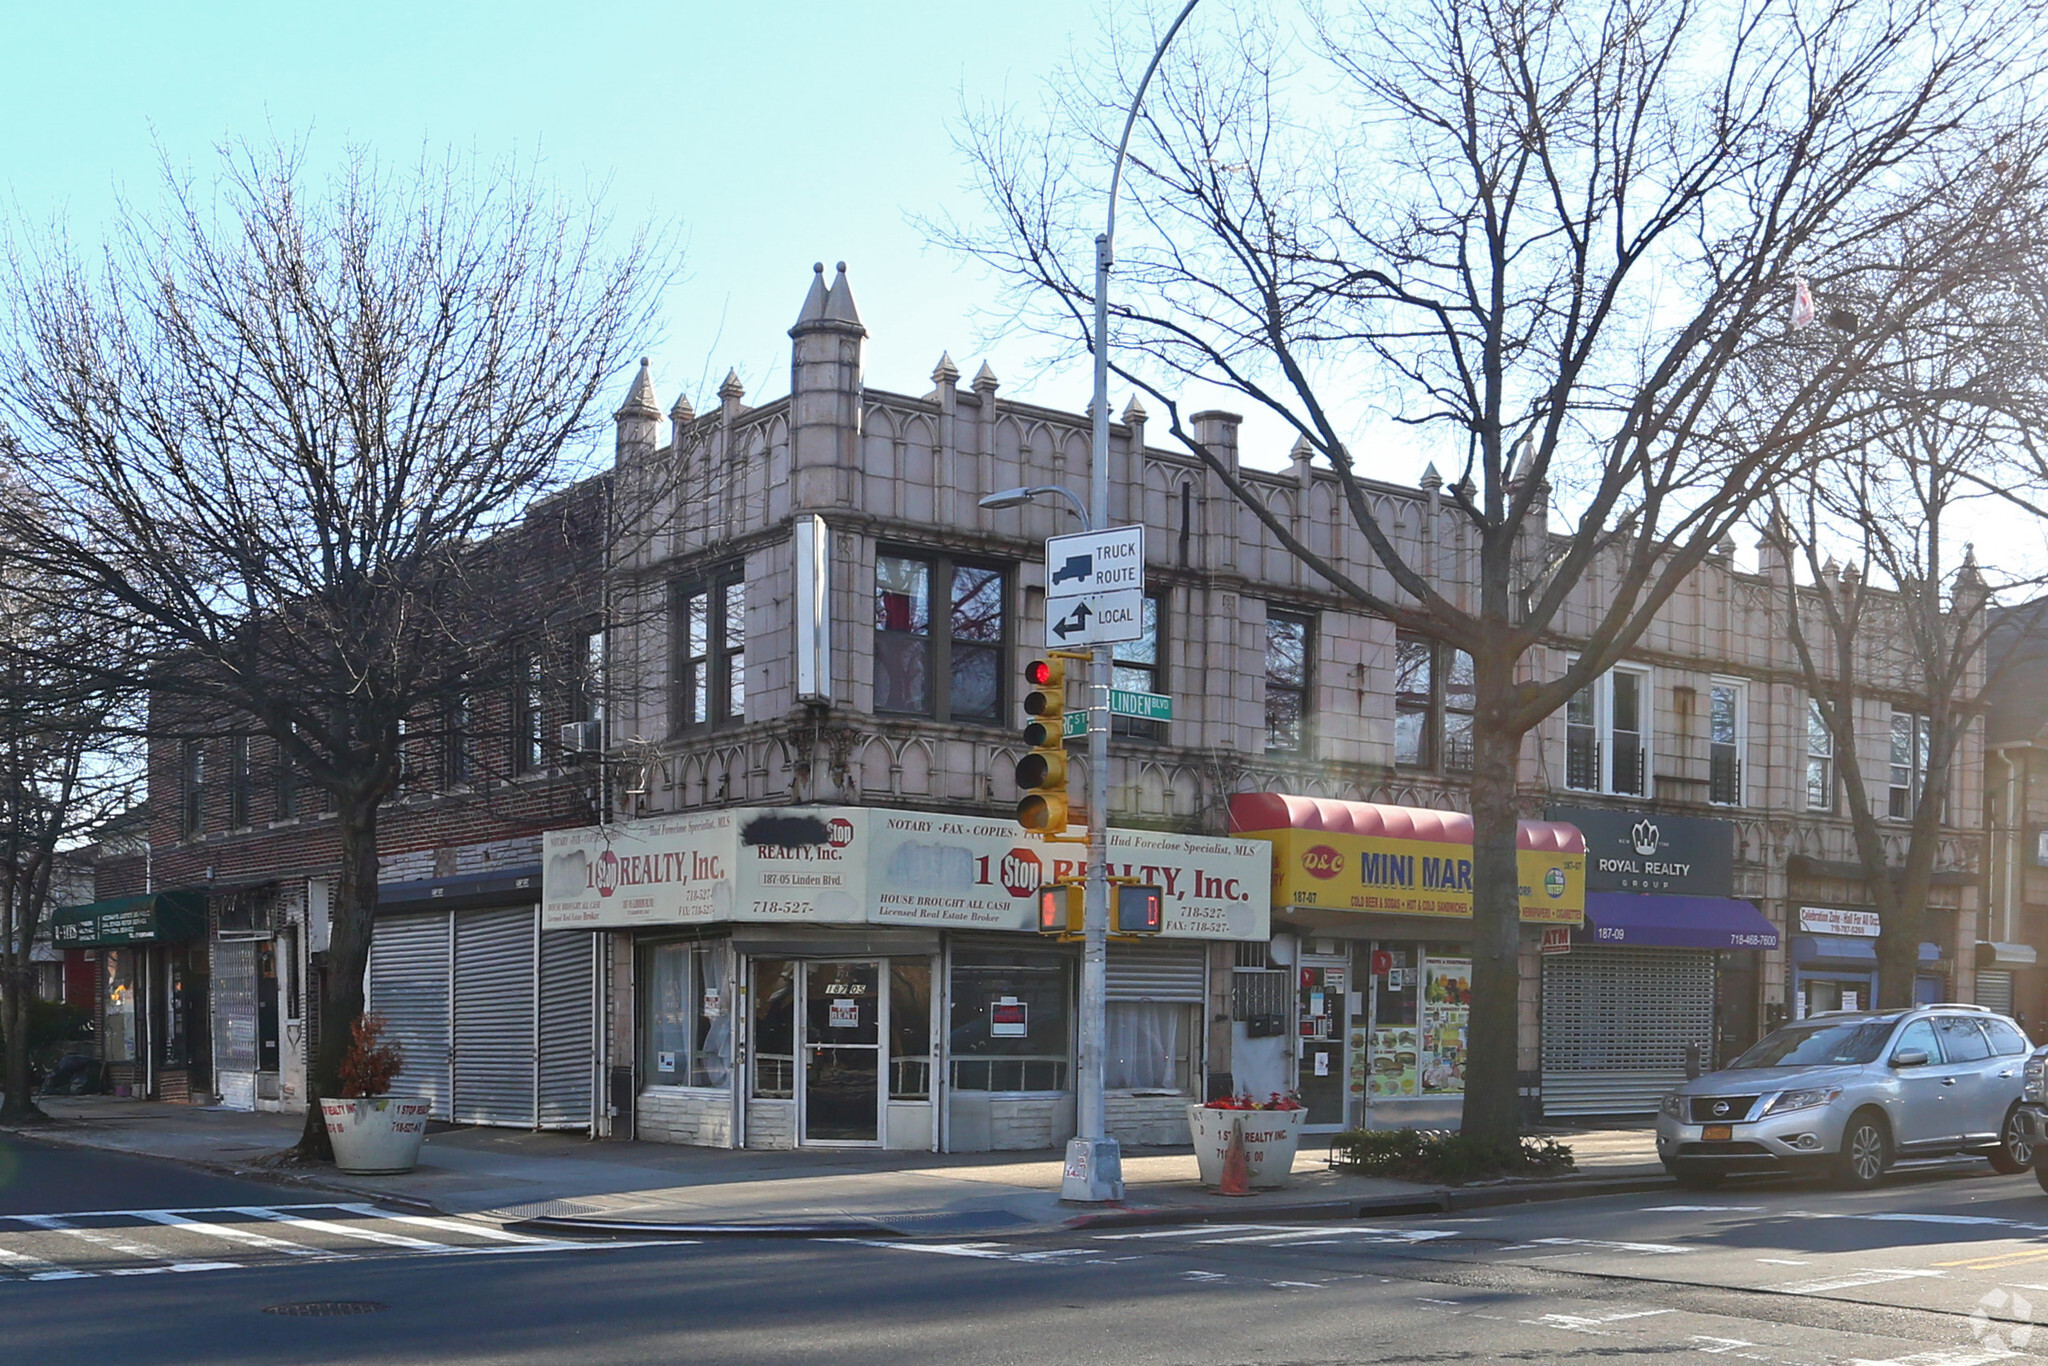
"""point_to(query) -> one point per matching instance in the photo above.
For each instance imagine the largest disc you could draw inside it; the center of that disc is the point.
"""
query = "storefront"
(1373, 907)
(148, 957)
(848, 976)
(1834, 962)
(1640, 989)
(498, 1020)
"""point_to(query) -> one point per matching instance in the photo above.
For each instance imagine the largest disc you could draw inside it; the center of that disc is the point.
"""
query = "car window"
(2006, 1039)
(1961, 1040)
(1920, 1035)
(1821, 1043)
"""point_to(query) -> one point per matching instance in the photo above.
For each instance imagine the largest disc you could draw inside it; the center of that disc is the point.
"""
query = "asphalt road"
(1926, 1271)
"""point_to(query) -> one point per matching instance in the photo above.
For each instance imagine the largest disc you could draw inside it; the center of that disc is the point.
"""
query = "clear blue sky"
(773, 134)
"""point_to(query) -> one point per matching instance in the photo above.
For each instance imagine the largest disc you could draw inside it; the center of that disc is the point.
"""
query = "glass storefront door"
(840, 1082)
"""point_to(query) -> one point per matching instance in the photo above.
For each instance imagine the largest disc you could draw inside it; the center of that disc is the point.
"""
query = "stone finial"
(1134, 413)
(945, 372)
(1431, 480)
(814, 302)
(1302, 454)
(1725, 547)
(640, 398)
(1968, 575)
(985, 381)
(732, 391)
(1467, 489)
(682, 411)
(839, 302)
(1828, 568)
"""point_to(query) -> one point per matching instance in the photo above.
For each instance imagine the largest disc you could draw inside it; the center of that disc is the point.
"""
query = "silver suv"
(1848, 1091)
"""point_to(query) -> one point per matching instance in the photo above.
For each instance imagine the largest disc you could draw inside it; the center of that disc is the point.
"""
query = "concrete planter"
(376, 1133)
(1270, 1140)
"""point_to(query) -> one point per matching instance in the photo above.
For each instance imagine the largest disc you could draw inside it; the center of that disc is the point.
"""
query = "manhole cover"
(325, 1308)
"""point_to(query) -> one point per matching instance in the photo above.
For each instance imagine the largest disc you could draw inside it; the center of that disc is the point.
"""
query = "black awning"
(147, 918)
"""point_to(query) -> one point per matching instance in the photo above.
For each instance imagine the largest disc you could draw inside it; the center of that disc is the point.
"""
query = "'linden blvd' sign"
(864, 865)
(1642, 851)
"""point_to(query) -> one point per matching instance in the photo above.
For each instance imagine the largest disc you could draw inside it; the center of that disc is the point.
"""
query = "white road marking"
(1872, 1276)
(1610, 1245)
(1296, 1285)
(1717, 1346)
(234, 1233)
(126, 1247)
(1703, 1209)
(48, 1271)
(1593, 1324)
(1782, 1261)
(368, 1235)
(1963, 1358)
(474, 1230)
(1198, 1230)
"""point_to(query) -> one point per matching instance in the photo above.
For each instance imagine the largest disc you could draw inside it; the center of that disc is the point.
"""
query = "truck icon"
(1076, 567)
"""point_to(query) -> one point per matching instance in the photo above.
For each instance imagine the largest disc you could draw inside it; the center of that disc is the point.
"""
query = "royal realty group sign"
(1641, 851)
(863, 865)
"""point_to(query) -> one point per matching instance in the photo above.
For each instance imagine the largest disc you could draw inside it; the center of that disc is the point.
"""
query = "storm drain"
(321, 1309)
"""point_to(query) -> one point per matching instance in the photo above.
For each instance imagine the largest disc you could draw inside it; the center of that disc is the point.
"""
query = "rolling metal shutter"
(495, 999)
(1615, 1025)
(568, 963)
(408, 986)
(1994, 990)
(1158, 972)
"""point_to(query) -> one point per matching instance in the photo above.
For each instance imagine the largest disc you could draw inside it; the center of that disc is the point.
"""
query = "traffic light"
(1139, 909)
(1042, 774)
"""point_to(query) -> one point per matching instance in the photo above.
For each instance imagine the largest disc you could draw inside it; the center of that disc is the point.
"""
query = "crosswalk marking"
(32, 1246)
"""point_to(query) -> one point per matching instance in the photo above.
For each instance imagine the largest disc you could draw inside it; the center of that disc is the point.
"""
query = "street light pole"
(1094, 1167)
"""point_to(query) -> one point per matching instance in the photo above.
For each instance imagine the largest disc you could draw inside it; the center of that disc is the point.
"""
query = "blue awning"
(1676, 922)
(1844, 950)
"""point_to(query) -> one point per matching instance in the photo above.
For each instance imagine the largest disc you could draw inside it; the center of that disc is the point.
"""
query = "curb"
(271, 1175)
(655, 1228)
(1440, 1200)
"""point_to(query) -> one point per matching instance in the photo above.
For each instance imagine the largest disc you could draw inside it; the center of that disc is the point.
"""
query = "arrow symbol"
(1075, 621)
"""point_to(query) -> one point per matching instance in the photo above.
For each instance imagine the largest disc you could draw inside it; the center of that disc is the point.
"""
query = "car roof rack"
(1957, 1005)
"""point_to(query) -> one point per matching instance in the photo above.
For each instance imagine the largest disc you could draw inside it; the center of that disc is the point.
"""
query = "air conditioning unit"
(583, 737)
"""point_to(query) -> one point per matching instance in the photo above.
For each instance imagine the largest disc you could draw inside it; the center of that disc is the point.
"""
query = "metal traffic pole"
(1094, 1167)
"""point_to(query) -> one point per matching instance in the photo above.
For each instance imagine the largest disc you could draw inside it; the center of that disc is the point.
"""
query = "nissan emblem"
(1720, 1107)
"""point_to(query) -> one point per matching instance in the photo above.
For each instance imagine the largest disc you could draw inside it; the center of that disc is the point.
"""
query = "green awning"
(151, 918)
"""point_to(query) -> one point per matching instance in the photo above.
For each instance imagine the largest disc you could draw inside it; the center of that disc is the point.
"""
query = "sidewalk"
(511, 1174)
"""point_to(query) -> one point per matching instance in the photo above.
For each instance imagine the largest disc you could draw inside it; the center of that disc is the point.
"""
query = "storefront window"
(1151, 1046)
(774, 1029)
(686, 1036)
(1008, 1030)
(121, 1036)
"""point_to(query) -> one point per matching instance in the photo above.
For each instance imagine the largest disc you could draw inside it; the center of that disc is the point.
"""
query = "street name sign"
(1146, 706)
(1073, 725)
(1095, 587)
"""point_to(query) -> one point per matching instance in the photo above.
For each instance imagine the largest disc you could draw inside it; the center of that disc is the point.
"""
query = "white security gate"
(1157, 972)
(494, 1015)
(1616, 1022)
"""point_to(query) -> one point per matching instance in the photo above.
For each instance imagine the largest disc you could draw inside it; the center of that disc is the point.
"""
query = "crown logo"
(1644, 837)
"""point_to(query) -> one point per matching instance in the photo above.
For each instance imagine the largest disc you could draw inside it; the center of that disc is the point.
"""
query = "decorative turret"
(638, 418)
(825, 387)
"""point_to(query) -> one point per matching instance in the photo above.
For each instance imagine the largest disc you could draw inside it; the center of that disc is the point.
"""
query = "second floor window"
(528, 712)
(1290, 667)
(192, 767)
(1820, 759)
(457, 759)
(284, 777)
(1137, 670)
(240, 798)
(1607, 734)
(1727, 724)
(1433, 701)
(711, 651)
(940, 633)
(1909, 763)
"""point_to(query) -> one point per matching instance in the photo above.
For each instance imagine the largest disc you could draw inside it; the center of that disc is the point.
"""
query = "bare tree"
(270, 422)
(68, 763)
(1562, 235)
(1893, 636)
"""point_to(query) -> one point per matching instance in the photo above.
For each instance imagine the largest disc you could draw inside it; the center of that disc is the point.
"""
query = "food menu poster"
(1446, 1022)
(1396, 1062)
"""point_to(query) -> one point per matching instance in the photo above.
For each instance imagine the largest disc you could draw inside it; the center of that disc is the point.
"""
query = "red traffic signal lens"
(1042, 673)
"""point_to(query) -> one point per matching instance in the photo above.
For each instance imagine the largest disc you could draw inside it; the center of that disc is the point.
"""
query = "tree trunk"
(1492, 1100)
(348, 957)
(1898, 957)
(19, 1105)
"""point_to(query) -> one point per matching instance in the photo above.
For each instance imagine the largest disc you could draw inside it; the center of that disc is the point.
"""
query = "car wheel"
(1695, 1178)
(1866, 1152)
(2015, 1151)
